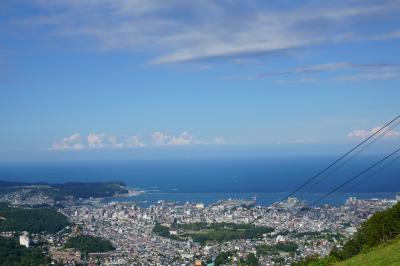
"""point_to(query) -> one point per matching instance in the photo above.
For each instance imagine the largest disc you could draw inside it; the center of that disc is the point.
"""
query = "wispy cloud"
(380, 73)
(209, 29)
(104, 141)
(326, 67)
(357, 37)
(338, 71)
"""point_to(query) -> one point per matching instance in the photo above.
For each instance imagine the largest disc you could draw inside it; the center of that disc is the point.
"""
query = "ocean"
(208, 180)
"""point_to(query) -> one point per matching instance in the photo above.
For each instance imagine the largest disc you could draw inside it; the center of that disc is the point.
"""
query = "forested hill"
(87, 190)
(59, 191)
(33, 220)
(89, 244)
(380, 229)
(12, 253)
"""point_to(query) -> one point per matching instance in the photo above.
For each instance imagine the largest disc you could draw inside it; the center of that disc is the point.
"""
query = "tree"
(89, 244)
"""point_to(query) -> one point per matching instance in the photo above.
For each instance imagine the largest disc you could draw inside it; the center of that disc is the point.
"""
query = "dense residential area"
(228, 232)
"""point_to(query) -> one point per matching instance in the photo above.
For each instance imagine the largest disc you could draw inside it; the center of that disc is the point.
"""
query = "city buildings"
(314, 231)
(24, 239)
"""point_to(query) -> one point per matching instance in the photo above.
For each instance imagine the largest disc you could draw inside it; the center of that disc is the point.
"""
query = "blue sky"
(87, 78)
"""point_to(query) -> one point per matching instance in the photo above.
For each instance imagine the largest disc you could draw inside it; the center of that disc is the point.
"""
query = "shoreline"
(262, 199)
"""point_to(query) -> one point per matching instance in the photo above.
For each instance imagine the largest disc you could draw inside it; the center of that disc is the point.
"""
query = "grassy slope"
(387, 255)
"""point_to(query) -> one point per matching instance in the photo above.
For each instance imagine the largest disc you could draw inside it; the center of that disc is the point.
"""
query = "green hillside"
(33, 220)
(386, 256)
(377, 242)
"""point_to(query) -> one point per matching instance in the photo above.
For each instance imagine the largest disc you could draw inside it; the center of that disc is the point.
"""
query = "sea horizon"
(213, 176)
(207, 181)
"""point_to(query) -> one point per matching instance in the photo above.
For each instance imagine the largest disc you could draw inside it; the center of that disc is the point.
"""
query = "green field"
(387, 255)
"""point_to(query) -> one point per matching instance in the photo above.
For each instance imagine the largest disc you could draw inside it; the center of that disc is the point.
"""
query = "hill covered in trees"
(89, 244)
(11, 253)
(215, 232)
(33, 220)
(380, 229)
(227, 258)
(87, 190)
(59, 191)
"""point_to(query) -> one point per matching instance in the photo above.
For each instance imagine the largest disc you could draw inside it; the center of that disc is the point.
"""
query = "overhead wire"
(335, 162)
(349, 180)
(354, 155)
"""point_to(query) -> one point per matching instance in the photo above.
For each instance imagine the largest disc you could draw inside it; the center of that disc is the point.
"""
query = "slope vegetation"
(386, 255)
(33, 220)
(372, 236)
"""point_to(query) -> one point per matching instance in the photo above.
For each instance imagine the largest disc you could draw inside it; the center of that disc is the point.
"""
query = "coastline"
(147, 198)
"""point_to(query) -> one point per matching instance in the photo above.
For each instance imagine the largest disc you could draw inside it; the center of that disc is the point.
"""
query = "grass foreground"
(386, 255)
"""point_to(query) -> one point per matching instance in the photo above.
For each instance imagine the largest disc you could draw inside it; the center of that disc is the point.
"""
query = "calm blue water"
(218, 179)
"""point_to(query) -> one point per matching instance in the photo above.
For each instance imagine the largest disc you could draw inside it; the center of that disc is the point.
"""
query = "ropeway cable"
(349, 180)
(376, 133)
(352, 156)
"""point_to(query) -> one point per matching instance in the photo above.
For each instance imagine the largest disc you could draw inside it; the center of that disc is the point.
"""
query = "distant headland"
(41, 193)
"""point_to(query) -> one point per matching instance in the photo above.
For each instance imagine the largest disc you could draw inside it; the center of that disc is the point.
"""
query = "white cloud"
(113, 140)
(362, 133)
(214, 29)
(103, 141)
(73, 138)
(95, 140)
(134, 141)
(114, 143)
(183, 139)
(261, 31)
(159, 138)
(60, 146)
(67, 143)
(78, 146)
(219, 141)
